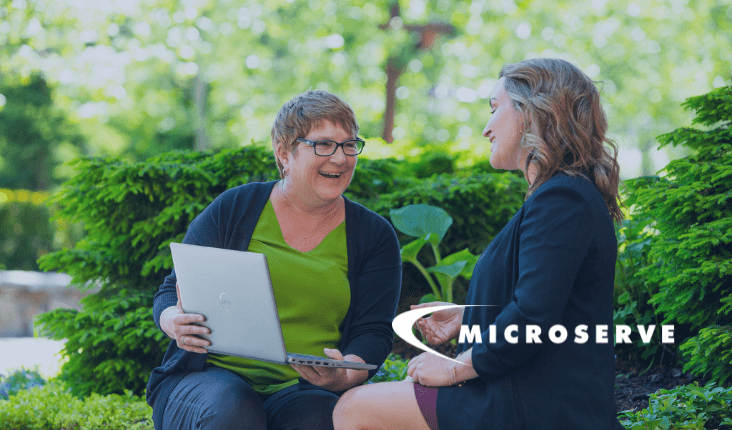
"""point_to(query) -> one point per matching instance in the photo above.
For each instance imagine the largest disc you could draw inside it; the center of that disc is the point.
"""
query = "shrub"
(710, 352)
(27, 231)
(692, 254)
(131, 211)
(53, 408)
(393, 369)
(19, 380)
(373, 178)
(480, 205)
(633, 292)
(688, 407)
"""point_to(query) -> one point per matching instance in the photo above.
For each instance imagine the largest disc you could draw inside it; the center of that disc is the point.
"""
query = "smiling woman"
(336, 275)
(550, 269)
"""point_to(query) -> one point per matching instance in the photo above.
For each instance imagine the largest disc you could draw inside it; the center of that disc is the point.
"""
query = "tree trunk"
(200, 93)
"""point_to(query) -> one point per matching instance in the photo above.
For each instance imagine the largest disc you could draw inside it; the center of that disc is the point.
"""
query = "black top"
(553, 263)
(374, 274)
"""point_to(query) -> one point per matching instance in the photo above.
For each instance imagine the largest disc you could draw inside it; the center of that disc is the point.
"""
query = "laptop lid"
(232, 290)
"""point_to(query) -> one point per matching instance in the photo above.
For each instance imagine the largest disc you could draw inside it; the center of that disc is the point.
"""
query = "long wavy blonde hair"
(566, 126)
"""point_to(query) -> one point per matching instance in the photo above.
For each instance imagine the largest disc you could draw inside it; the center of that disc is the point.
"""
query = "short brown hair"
(567, 127)
(307, 111)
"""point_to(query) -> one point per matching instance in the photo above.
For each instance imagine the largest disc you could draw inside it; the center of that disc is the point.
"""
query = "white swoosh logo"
(404, 322)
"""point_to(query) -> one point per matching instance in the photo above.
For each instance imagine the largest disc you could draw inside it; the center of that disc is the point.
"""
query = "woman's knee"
(214, 398)
(235, 407)
(346, 415)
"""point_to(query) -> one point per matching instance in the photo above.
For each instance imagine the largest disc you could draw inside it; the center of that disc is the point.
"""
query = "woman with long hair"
(541, 292)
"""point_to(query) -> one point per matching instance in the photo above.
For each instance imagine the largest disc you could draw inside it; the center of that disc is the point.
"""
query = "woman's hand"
(333, 378)
(431, 370)
(179, 326)
(441, 326)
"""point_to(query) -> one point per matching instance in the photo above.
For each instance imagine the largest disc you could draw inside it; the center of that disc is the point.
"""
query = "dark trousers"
(219, 399)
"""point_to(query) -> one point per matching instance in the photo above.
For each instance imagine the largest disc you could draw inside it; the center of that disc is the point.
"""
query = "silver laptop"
(233, 291)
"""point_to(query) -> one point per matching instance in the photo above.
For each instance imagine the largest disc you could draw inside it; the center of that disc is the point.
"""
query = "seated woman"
(552, 264)
(336, 274)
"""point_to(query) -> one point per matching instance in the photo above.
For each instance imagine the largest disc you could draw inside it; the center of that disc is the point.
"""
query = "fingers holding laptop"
(334, 378)
(182, 327)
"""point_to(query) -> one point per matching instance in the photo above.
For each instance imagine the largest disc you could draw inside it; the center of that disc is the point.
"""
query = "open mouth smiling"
(330, 175)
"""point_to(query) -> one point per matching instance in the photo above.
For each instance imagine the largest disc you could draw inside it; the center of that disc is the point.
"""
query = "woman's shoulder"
(576, 185)
(244, 194)
(251, 189)
(567, 194)
(362, 214)
(370, 231)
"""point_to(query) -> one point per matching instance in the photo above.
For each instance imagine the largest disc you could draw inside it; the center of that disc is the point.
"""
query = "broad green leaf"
(464, 255)
(433, 238)
(409, 251)
(449, 270)
(420, 220)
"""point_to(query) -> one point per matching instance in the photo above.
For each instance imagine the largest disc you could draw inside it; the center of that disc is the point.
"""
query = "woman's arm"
(554, 238)
(375, 262)
(331, 378)
(432, 370)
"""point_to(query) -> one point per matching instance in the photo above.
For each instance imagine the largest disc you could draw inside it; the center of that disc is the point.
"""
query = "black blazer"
(553, 263)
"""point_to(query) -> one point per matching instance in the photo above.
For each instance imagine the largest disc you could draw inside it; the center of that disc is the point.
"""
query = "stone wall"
(24, 295)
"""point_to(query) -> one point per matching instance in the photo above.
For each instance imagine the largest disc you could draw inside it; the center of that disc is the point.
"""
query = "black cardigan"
(553, 263)
(374, 274)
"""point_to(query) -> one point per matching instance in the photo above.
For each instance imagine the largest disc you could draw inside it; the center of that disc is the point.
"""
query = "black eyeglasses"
(326, 148)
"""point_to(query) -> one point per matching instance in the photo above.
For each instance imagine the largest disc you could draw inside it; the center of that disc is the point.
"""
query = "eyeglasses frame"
(312, 143)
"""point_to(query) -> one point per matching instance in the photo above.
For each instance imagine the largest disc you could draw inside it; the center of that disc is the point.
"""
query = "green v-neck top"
(312, 294)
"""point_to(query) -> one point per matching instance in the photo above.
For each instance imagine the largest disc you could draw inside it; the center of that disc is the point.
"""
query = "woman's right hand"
(442, 326)
(179, 326)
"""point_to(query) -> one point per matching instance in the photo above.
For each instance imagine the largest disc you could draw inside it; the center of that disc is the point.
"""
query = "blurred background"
(134, 79)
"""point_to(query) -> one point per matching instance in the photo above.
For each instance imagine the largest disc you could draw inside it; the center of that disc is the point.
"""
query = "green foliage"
(480, 205)
(692, 207)
(35, 136)
(393, 369)
(429, 224)
(372, 179)
(19, 380)
(433, 163)
(53, 408)
(131, 212)
(27, 231)
(633, 292)
(112, 344)
(253, 56)
(684, 407)
(710, 353)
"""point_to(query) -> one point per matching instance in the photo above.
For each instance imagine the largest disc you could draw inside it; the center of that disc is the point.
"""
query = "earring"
(285, 172)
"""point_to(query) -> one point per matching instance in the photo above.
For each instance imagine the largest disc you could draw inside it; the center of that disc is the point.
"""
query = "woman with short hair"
(552, 265)
(336, 275)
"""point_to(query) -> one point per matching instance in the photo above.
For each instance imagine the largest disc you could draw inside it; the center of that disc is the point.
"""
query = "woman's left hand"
(430, 370)
(333, 378)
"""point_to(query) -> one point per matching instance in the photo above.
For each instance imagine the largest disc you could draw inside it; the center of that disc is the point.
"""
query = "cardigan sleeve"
(555, 235)
(376, 293)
